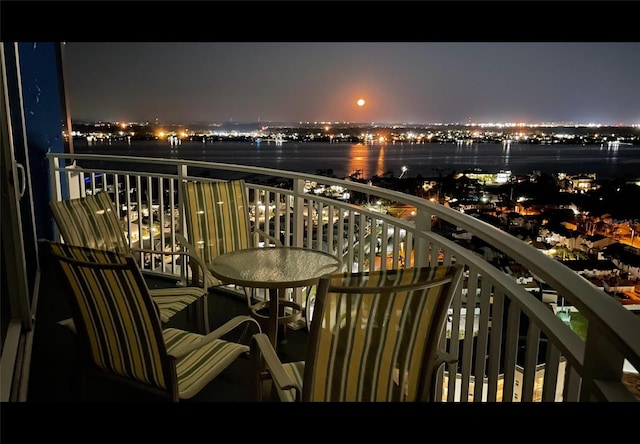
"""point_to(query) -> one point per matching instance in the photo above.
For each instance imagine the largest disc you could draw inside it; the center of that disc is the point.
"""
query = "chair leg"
(308, 310)
(282, 335)
(198, 315)
(201, 315)
(262, 383)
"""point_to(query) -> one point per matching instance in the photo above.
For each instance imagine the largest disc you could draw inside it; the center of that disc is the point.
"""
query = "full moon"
(360, 102)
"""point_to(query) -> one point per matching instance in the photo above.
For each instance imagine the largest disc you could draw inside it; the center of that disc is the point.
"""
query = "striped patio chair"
(375, 336)
(218, 221)
(120, 333)
(92, 222)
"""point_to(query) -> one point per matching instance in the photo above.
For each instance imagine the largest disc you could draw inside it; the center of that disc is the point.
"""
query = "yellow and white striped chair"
(218, 221)
(375, 336)
(120, 333)
(92, 222)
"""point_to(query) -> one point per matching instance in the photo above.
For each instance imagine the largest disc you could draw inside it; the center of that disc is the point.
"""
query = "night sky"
(412, 62)
(412, 82)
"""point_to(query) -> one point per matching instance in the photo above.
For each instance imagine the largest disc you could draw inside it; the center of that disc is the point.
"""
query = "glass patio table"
(276, 269)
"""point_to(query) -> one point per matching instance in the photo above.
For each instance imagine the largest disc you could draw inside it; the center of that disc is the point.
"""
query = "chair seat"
(172, 300)
(196, 369)
(169, 300)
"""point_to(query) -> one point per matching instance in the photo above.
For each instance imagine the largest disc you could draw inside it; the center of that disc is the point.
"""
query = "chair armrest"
(196, 263)
(183, 252)
(231, 324)
(175, 291)
(274, 239)
(147, 250)
(261, 349)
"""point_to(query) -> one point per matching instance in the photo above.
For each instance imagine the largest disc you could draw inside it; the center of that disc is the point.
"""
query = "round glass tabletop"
(274, 267)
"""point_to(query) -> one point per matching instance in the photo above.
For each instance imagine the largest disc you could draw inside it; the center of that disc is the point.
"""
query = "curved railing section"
(506, 343)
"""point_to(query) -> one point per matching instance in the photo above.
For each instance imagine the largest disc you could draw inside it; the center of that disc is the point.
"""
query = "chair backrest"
(375, 335)
(90, 221)
(117, 322)
(217, 217)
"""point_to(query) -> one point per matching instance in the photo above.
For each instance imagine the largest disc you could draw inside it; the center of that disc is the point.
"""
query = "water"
(427, 160)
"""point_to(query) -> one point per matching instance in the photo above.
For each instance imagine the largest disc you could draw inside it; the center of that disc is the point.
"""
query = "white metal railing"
(513, 342)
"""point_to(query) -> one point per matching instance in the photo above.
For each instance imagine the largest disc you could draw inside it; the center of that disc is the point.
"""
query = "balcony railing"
(510, 345)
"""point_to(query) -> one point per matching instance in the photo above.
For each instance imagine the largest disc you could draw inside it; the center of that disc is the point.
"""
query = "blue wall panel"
(42, 94)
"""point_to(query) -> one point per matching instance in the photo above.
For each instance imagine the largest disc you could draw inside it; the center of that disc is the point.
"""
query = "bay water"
(368, 160)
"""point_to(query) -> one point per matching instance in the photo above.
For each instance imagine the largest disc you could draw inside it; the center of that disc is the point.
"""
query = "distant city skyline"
(376, 124)
(400, 82)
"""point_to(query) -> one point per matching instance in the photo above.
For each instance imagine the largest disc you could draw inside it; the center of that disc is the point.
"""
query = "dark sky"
(413, 62)
(414, 82)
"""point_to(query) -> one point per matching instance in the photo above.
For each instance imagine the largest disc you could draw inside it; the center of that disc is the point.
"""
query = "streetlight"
(404, 171)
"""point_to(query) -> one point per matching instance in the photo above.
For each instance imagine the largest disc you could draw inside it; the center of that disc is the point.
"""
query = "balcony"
(511, 345)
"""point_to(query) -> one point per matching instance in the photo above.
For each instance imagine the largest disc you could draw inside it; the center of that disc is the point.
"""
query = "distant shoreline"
(370, 133)
(389, 159)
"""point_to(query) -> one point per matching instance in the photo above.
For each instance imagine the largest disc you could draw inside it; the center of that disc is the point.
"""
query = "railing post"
(602, 362)
(54, 176)
(182, 173)
(56, 187)
(423, 223)
(298, 207)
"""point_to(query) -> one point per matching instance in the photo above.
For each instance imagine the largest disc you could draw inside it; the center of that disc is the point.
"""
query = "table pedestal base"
(270, 322)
